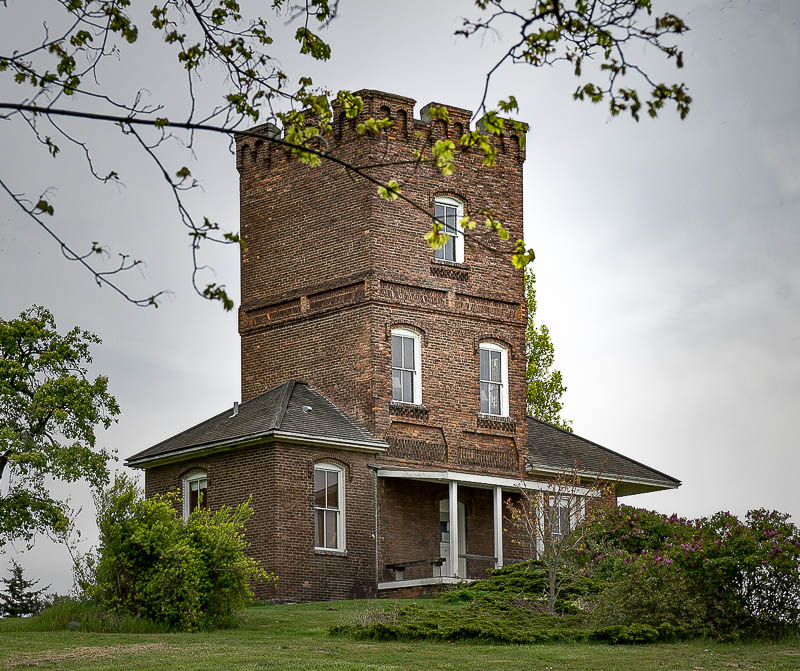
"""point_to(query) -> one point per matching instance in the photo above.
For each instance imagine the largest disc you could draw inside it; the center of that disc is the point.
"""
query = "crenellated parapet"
(260, 152)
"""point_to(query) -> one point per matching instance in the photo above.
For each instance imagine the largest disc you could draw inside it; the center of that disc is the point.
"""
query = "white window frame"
(494, 347)
(188, 479)
(340, 518)
(459, 234)
(417, 370)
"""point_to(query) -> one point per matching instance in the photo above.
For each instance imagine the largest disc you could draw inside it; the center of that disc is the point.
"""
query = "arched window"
(494, 379)
(406, 367)
(448, 212)
(329, 527)
(195, 492)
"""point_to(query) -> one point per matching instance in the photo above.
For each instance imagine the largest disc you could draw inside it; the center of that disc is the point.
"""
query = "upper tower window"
(494, 379)
(448, 211)
(406, 378)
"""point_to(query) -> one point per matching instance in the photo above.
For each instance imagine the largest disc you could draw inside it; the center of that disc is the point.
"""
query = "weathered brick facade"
(328, 270)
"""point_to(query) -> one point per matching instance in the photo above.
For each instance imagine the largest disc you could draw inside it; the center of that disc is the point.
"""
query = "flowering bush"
(716, 576)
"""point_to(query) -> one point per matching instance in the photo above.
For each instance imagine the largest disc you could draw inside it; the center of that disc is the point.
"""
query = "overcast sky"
(667, 251)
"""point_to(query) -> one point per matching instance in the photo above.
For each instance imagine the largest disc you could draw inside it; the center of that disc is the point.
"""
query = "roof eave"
(375, 447)
(630, 486)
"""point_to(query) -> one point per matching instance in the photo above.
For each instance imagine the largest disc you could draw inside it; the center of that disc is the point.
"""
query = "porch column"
(454, 530)
(498, 525)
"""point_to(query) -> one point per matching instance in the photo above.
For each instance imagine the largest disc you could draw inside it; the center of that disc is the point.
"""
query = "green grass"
(84, 616)
(295, 637)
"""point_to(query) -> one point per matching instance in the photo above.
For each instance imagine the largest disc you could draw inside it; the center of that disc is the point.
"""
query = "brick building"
(382, 421)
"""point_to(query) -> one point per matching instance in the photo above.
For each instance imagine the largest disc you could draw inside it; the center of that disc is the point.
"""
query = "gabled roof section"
(553, 450)
(293, 411)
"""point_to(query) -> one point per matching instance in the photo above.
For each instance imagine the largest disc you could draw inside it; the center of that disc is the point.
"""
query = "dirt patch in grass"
(85, 652)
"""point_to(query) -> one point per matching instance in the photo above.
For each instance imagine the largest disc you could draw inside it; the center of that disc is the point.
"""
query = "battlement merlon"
(400, 109)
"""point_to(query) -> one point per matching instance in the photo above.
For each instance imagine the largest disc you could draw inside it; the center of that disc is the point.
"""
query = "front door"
(444, 539)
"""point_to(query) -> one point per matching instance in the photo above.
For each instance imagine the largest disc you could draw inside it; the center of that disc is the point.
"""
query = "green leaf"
(312, 44)
(389, 192)
(45, 207)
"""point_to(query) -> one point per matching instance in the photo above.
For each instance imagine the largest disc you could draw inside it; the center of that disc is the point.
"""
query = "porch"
(442, 527)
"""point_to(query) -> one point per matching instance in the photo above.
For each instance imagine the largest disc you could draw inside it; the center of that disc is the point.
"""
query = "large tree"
(544, 386)
(68, 80)
(49, 412)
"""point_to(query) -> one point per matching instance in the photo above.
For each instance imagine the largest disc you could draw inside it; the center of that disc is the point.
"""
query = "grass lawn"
(295, 637)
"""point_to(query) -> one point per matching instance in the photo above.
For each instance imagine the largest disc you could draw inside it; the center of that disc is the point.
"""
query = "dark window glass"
(319, 488)
(330, 528)
(408, 386)
(319, 528)
(333, 490)
(397, 351)
(397, 385)
(408, 353)
(495, 366)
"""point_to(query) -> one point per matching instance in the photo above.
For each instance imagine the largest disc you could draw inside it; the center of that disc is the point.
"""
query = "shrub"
(653, 595)
(493, 624)
(152, 564)
(714, 576)
(524, 584)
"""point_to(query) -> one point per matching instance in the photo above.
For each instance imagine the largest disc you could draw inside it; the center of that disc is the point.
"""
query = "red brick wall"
(279, 478)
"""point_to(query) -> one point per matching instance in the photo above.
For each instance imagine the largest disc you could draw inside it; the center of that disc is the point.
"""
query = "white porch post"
(498, 525)
(454, 530)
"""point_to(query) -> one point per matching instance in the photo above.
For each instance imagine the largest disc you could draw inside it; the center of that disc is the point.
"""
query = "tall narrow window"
(559, 518)
(406, 382)
(447, 212)
(565, 513)
(195, 492)
(494, 379)
(328, 507)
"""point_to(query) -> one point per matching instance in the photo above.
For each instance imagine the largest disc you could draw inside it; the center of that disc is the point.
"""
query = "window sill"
(408, 409)
(497, 422)
(330, 553)
(450, 269)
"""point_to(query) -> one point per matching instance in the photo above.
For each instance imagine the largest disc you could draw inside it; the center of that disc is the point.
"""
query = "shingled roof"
(552, 450)
(291, 411)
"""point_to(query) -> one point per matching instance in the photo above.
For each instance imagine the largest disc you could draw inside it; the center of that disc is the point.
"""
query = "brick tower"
(331, 272)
